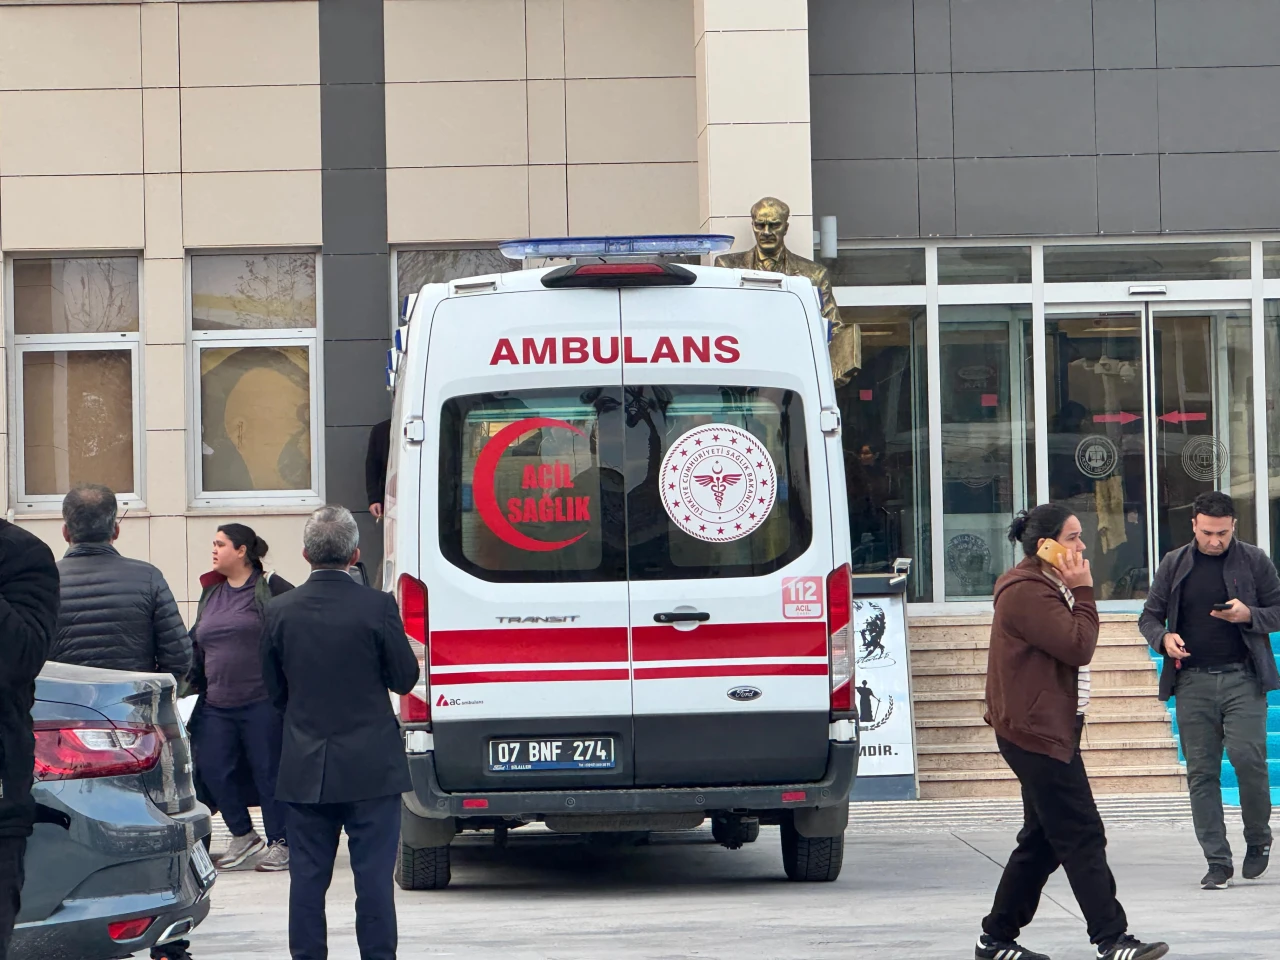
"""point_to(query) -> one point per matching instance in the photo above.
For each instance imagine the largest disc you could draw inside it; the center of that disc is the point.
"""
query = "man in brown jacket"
(1043, 635)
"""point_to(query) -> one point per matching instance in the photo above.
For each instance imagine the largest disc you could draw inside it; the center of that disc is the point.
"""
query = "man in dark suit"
(331, 651)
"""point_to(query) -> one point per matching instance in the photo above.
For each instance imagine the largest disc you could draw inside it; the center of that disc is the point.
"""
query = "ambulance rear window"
(717, 481)
(531, 485)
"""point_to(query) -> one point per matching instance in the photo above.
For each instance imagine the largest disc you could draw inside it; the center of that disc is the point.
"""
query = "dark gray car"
(117, 862)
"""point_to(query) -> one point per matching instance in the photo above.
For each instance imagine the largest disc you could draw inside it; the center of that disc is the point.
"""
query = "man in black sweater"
(28, 612)
(375, 466)
(1212, 607)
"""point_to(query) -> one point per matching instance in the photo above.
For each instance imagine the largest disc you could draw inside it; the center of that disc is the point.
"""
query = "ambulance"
(617, 531)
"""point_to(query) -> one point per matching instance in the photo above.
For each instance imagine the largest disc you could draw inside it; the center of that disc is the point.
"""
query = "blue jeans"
(229, 735)
(373, 842)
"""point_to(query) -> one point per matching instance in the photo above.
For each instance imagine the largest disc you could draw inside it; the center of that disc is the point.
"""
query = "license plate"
(567, 753)
(202, 865)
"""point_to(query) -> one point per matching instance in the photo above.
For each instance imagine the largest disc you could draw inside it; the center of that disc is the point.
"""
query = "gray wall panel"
(360, 367)
(933, 36)
(1220, 110)
(1023, 114)
(357, 304)
(1129, 194)
(1218, 33)
(362, 140)
(347, 487)
(1021, 35)
(1124, 33)
(347, 197)
(1026, 196)
(937, 198)
(866, 36)
(1127, 117)
(1220, 191)
(865, 117)
(933, 114)
(870, 198)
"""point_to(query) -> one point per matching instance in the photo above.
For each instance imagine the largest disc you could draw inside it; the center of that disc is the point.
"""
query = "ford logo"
(744, 694)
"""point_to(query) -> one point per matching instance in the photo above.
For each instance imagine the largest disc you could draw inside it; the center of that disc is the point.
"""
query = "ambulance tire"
(810, 859)
(423, 868)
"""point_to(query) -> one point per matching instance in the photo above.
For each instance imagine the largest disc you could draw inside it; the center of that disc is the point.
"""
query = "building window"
(254, 328)
(416, 268)
(75, 336)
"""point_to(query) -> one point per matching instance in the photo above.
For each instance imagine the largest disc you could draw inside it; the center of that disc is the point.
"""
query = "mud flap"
(421, 833)
(822, 821)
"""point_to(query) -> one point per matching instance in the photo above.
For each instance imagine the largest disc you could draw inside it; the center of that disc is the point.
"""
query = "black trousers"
(254, 732)
(373, 841)
(12, 852)
(1061, 827)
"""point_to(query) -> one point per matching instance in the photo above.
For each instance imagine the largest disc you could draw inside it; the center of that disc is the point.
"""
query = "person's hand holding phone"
(1233, 611)
(1074, 570)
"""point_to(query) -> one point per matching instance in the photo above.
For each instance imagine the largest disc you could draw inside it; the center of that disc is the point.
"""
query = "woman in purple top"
(236, 729)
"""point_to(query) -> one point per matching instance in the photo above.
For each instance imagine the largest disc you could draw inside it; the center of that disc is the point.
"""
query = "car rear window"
(743, 509)
(531, 485)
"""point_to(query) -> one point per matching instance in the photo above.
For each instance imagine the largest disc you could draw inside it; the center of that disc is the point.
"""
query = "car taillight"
(840, 637)
(411, 595)
(79, 750)
(129, 929)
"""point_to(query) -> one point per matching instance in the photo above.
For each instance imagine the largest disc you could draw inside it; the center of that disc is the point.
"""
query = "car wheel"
(810, 859)
(423, 868)
(733, 832)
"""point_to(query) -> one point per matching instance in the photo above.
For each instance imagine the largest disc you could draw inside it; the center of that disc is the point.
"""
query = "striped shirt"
(1084, 681)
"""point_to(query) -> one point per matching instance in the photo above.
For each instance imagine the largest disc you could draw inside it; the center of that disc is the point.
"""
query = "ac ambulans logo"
(718, 483)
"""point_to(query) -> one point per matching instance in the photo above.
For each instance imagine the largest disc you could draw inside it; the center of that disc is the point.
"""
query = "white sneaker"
(240, 850)
(276, 860)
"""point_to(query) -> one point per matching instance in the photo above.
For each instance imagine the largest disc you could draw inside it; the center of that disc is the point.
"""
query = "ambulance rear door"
(523, 546)
(729, 536)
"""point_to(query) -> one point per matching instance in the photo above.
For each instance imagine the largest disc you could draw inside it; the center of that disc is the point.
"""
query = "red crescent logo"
(486, 497)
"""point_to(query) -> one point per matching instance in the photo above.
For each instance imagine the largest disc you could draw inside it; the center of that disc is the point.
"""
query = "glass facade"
(996, 392)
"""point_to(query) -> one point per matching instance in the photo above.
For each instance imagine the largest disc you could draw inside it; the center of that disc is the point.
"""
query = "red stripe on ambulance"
(722, 641)
(529, 676)
(733, 670)
(535, 645)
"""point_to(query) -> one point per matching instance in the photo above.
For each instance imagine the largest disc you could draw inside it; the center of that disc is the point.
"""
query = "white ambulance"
(617, 529)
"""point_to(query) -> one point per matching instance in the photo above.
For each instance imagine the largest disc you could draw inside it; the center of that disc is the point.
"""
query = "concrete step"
(1163, 778)
(927, 629)
(973, 678)
(1097, 730)
(970, 654)
(1105, 701)
(981, 757)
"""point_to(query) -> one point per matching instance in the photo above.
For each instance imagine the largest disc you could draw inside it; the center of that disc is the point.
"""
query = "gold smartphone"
(1052, 552)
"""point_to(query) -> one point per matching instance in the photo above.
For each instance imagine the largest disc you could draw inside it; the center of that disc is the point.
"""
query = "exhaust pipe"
(176, 931)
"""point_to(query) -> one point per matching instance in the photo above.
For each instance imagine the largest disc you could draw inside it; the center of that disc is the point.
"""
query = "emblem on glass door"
(1097, 456)
(1204, 458)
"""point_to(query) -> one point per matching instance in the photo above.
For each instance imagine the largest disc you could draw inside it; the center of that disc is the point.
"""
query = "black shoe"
(1218, 877)
(989, 948)
(1256, 861)
(1131, 948)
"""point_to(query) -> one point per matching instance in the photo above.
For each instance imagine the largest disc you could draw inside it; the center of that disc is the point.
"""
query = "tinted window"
(530, 487)
(1141, 261)
(737, 500)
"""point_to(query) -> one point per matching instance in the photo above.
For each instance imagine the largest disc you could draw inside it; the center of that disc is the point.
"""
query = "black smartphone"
(1222, 606)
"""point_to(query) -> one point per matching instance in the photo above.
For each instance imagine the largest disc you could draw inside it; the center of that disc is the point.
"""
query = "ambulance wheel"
(810, 859)
(422, 868)
(732, 831)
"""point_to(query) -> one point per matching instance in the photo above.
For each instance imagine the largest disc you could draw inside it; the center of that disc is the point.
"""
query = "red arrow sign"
(1121, 418)
(1179, 417)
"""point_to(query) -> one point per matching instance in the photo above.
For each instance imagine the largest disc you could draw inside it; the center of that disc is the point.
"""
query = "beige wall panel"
(633, 198)
(62, 48)
(741, 171)
(454, 40)
(163, 302)
(166, 468)
(738, 91)
(631, 121)
(737, 227)
(135, 538)
(163, 192)
(4, 407)
(4, 473)
(169, 553)
(161, 130)
(47, 132)
(546, 121)
(628, 38)
(704, 171)
(548, 202)
(165, 384)
(456, 124)
(159, 44)
(457, 203)
(249, 44)
(71, 213)
(700, 82)
(251, 128)
(283, 534)
(544, 38)
(251, 209)
(50, 531)
(750, 15)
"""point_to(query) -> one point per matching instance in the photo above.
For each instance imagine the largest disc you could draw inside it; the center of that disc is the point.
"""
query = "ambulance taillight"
(411, 596)
(840, 638)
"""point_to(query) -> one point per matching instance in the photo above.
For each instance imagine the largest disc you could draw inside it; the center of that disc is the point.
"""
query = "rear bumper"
(428, 800)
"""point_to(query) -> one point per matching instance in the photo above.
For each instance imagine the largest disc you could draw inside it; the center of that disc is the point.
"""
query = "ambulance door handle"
(681, 617)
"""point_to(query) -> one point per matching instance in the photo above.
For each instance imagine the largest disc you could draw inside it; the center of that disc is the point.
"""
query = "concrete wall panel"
(991, 35)
(1024, 115)
(865, 117)
(1220, 191)
(1220, 33)
(1227, 109)
(1124, 33)
(1129, 194)
(1026, 196)
(871, 36)
(870, 198)
(1127, 114)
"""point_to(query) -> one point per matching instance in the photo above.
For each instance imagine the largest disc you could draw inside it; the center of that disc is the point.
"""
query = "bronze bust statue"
(769, 220)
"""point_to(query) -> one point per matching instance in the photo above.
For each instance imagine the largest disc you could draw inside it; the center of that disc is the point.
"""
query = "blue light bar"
(674, 244)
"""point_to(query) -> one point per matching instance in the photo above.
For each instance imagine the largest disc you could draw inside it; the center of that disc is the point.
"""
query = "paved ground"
(917, 879)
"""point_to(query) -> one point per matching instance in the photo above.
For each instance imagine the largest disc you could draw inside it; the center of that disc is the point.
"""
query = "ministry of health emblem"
(718, 483)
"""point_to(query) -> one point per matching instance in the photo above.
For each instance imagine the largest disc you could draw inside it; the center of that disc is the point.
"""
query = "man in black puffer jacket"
(116, 613)
(28, 611)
